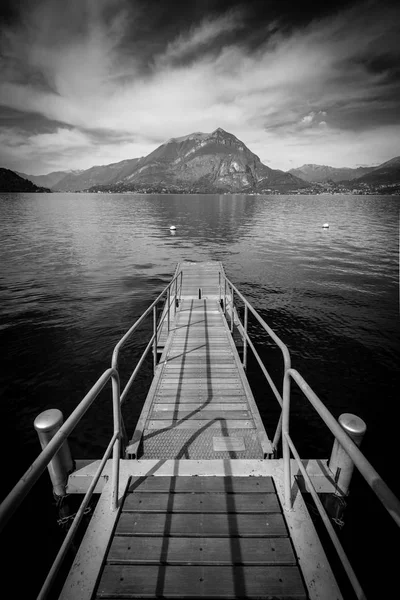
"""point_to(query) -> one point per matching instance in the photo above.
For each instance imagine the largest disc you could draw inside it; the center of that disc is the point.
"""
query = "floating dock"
(195, 504)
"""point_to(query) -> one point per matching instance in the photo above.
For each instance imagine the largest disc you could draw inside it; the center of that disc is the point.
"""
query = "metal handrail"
(243, 329)
(375, 482)
(24, 485)
(383, 492)
(153, 340)
(76, 522)
(128, 334)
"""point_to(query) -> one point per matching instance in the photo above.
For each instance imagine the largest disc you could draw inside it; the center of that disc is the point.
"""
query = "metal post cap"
(352, 424)
(48, 420)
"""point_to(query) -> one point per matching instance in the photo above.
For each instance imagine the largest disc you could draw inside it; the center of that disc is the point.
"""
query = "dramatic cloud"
(327, 90)
(201, 38)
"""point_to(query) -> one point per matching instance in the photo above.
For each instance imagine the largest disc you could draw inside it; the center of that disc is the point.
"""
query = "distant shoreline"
(395, 192)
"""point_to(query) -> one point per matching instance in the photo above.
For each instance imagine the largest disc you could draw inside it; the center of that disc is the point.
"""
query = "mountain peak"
(220, 130)
(205, 162)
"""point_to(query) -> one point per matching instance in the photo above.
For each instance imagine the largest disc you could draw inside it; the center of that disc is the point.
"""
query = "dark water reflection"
(77, 270)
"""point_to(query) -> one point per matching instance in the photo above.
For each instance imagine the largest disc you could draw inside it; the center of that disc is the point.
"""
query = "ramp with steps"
(200, 405)
(198, 510)
(195, 537)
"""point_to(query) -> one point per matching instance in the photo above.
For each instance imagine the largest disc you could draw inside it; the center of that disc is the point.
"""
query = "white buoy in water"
(172, 228)
(325, 226)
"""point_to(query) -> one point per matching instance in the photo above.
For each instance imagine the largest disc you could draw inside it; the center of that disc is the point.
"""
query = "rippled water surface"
(76, 270)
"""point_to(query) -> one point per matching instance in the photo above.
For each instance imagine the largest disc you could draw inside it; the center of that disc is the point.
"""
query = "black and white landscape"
(91, 92)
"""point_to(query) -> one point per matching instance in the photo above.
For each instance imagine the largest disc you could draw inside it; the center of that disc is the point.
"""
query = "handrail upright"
(246, 320)
(117, 444)
(154, 339)
(225, 296)
(232, 319)
(176, 296)
(169, 309)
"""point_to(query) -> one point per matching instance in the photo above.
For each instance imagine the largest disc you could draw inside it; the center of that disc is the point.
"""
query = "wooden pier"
(201, 497)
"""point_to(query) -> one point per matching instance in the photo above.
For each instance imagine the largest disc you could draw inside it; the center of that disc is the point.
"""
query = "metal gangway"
(195, 501)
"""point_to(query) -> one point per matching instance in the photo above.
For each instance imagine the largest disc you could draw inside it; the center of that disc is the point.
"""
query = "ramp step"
(199, 525)
(201, 503)
(199, 413)
(188, 484)
(161, 581)
(201, 551)
(175, 425)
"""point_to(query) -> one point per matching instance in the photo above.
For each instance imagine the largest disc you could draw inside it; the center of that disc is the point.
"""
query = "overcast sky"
(89, 82)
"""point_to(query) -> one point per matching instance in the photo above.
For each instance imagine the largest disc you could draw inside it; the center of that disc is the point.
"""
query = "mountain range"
(384, 174)
(199, 162)
(214, 162)
(323, 173)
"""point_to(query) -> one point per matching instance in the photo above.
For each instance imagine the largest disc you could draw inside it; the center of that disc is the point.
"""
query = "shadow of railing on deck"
(183, 453)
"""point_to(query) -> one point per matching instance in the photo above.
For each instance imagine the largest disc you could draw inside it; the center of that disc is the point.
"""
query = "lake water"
(78, 269)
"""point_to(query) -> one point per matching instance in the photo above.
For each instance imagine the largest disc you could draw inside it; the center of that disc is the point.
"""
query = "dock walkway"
(200, 509)
(193, 536)
(200, 405)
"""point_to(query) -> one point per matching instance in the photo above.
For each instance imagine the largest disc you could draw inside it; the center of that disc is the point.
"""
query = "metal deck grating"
(200, 391)
(194, 444)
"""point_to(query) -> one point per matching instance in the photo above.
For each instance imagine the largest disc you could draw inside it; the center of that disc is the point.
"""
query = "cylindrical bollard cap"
(49, 420)
(353, 426)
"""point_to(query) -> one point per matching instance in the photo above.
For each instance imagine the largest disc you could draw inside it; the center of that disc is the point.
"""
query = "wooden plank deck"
(192, 537)
(200, 404)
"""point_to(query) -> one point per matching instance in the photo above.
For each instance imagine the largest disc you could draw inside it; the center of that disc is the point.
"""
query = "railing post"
(277, 436)
(340, 462)
(246, 317)
(219, 285)
(225, 297)
(176, 295)
(155, 338)
(169, 306)
(287, 476)
(117, 443)
(232, 309)
(47, 424)
(287, 364)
